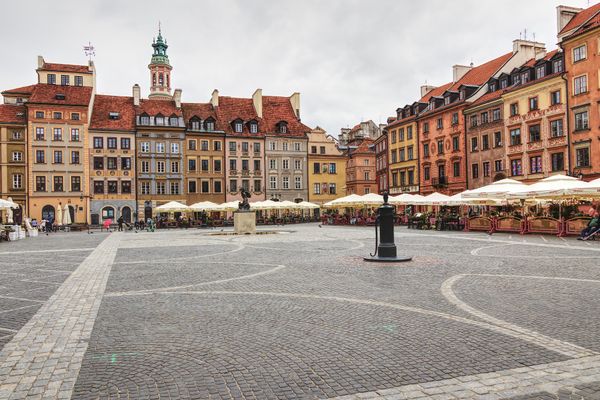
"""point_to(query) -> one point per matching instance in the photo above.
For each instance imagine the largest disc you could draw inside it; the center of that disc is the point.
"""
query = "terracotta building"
(326, 167)
(579, 38)
(13, 156)
(381, 163)
(112, 159)
(360, 168)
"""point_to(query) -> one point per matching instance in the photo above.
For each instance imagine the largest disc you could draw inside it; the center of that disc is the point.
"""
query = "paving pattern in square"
(188, 314)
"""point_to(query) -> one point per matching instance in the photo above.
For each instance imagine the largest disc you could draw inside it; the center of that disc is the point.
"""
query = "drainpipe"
(568, 132)
(466, 149)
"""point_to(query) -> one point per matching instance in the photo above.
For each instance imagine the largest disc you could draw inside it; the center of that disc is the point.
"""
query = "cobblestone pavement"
(299, 315)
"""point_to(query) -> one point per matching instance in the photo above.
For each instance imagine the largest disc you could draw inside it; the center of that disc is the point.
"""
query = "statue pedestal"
(244, 222)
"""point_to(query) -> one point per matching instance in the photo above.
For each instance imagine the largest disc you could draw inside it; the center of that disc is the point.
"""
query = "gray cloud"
(350, 59)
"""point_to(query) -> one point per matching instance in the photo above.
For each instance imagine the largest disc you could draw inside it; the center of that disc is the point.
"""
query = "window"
(245, 184)
(535, 164)
(580, 84)
(191, 164)
(161, 188)
(514, 109)
(272, 164)
(78, 80)
(366, 175)
(332, 168)
(555, 98)
(455, 169)
(57, 115)
(579, 53)
(174, 187)
(58, 157)
(160, 167)
(440, 123)
(145, 167)
(253, 127)
(210, 125)
(534, 133)
(40, 156)
(111, 162)
(581, 121)
(366, 162)
(17, 156)
(40, 183)
(486, 169)
(582, 157)
(75, 135)
(282, 128)
(192, 144)
(75, 116)
(39, 114)
(51, 79)
(217, 145)
(98, 163)
(484, 118)
(298, 182)
(313, 149)
(473, 121)
(497, 139)
(455, 118)
(426, 127)
(58, 184)
(233, 185)
(145, 187)
(204, 145)
(145, 120)
(257, 185)
(205, 187)
(160, 120)
(426, 173)
(273, 182)
(557, 66)
(504, 83)
(533, 103)
(440, 146)
(473, 144)
(317, 188)
(485, 142)
(17, 181)
(455, 143)
(272, 146)
(99, 142)
(558, 162)
(217, 165)
(160, 147)
(525, 77)
(401, 134)
(145, 147)
(516, 167)
(125, 186)
(233, 165)
(232, 147)
(244, 147)
(298, 147)
(411, 177)
(175, 148)
(111, 143)
(174, 121)
(515, 136)
(556, 128)
(475, 171)
(237, 127)
(57, 136)
(401, 152)
(125, 163)
(540, 72)
(217, 186)
(75, 159)
(175, 167)
(297, 164)
(64, 80)
(245, 165)
(495, 114)
(285, 146)
(498, 165)
(425, 151)
(39, 133)
(112, 187)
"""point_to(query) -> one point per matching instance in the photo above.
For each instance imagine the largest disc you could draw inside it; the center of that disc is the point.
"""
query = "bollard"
(385, 250)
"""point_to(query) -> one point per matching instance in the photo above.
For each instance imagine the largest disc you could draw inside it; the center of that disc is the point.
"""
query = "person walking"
(120, 222)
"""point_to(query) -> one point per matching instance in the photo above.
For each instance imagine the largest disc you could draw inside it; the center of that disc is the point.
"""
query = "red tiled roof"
(103, 105)
(11, 113)
(355, 128)
(200, 110)
(74, 95)
(82, 69)
(490, 96)
(438, 91)
(232, 108)
(581, 18)
(477, 76)
(364, 147)
(590, 24)
(277, 109)
(155, 107)
(20, 90)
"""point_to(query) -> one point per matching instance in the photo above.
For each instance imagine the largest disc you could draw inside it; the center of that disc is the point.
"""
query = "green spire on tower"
(160, 49)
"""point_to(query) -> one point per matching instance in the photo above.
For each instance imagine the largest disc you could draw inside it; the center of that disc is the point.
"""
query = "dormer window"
(525, 77)
(253, 127)
(516, 79)
(557, 66)
(282, 127)
(238, 126)
(504, 83)
(59, 96)
(540, 72)
(51, 79)
(145, 119)
(462, 94)
(209, 124)
(113, 115)
(160, 120)
(195, 124)
(432, 104)
(173, 120)
(447, 100)
(492, 87)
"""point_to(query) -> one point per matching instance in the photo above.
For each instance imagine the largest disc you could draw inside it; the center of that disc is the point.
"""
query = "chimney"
(40, 62)
(214, 100)
(257, 101)
(136, 95)
(177, 98)
(426, 89)
(295, 100)
(564, 15)
(458, 71)
(528, 49)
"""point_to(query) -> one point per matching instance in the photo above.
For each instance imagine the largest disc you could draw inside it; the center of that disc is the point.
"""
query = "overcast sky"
(351, 60)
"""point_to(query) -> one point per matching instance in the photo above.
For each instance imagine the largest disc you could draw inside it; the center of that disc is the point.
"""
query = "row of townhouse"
(525, 115)
(104, 156)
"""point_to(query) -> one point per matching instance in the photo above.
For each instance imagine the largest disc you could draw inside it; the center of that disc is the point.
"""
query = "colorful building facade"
(13, 156)
(361, 167)
(326, 167)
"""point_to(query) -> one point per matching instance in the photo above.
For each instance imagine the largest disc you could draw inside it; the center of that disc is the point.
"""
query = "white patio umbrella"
(59, 214)
(460, 199)
(9, 212)
(288, 205)
(265, 205)
(434, 199)
(556, 186)
(230, 206)
(173, 206)
(351, 200)
(498, 190)
(203, 206)
(308, 206)
(403, 199)
(6, 204)
(593, 190)
(66, 220)
(372, 199)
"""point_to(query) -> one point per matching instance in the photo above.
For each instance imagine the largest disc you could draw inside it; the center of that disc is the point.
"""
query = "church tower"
(160, 70)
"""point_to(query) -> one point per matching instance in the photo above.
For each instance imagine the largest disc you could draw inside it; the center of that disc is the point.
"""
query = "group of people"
(46, 225)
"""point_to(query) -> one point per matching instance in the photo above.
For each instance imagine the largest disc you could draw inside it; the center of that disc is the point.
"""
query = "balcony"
(440, 182)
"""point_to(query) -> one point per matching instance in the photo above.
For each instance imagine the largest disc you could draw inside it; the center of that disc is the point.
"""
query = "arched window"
(282, 127)
(108, 213)
(126, 214)
(48, 212)
(72, 213)
(161, 79)
(154, 78)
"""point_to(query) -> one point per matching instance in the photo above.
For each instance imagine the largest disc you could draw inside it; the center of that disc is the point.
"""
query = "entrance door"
(48, 212)
(126, 214)
(147, 211)
(72, 214)
(108, 213)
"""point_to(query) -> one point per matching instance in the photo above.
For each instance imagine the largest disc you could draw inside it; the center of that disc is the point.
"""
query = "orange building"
(579, 36)
(360, 168)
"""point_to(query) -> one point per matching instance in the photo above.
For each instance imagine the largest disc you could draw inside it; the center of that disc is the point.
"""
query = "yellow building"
(535, 120)
(326, 168)
(13, 151)
(403, 152)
